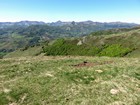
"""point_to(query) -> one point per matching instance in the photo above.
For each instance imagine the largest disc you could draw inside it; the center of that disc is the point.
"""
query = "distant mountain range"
(60, 23)
(21, 23)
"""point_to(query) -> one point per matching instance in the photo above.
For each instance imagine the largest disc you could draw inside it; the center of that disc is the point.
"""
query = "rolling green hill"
(113, 43)
(30, 33)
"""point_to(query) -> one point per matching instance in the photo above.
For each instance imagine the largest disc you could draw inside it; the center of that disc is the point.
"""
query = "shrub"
(2, 54)
(115, 50)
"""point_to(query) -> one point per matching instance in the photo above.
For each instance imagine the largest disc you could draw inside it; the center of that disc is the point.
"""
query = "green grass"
(31, 51)
(43, 80)
(115, 50)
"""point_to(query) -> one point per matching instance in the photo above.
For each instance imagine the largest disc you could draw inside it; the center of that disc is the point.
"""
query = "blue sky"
(70, 10)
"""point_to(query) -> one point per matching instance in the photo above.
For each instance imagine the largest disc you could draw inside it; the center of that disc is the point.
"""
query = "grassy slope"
(52, 81)
(31, 51)
(126, 38)
(126, 43)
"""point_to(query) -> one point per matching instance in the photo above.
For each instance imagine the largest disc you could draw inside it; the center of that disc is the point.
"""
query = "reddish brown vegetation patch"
(90, 64)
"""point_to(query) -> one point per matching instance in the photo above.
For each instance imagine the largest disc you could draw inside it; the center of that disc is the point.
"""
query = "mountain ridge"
(57, 23)
(20, 23)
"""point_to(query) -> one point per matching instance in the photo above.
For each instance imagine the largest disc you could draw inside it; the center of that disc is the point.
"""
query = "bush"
(2, 54)
(115, 50)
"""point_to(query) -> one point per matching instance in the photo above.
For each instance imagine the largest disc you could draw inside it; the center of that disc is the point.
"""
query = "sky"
(70, 10)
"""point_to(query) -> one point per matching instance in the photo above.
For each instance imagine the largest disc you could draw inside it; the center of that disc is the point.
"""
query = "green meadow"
(69, 80)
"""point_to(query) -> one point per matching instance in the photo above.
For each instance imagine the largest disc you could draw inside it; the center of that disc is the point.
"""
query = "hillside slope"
(102, 43)
(25, 52)
(113, 43)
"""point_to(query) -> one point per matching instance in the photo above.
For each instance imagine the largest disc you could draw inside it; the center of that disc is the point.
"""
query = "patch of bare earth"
(90, 64)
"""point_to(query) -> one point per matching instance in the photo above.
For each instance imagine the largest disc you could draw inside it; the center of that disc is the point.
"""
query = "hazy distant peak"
(20, 23)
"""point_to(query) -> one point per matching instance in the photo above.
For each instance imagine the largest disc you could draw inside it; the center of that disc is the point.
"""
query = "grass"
(31, 51)
(114, 45)
(50, 80)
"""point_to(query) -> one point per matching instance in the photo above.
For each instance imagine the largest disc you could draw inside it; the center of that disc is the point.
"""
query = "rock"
(79, 43)
(114, 91)
(49, 75)
(6, 90)
(99, 71)
(13, 103)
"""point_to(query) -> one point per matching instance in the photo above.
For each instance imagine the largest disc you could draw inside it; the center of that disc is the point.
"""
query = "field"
(71, 80)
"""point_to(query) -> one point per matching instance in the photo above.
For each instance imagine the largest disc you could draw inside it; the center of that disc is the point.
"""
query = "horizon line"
(68, 21)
